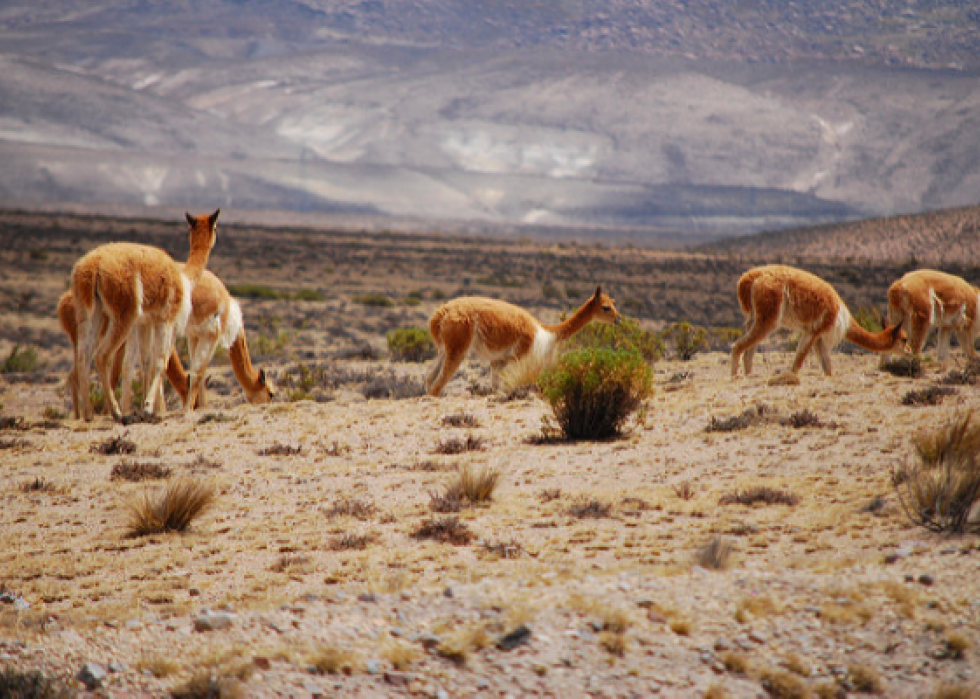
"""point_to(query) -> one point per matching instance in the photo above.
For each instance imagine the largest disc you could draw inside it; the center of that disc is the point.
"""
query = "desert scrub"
(374, 299)
(624, 335)
(19, 360)
(172, 510)
(687, 339)
(592, 392)
(939, 491)
(29, 684)
(410, 345)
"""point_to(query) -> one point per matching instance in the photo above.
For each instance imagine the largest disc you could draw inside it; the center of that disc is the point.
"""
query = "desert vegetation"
(357, 537)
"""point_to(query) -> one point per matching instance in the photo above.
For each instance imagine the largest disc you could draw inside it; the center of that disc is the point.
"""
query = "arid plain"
(580, 578)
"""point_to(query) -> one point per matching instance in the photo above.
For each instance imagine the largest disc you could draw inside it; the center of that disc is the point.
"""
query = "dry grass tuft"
(940, 491)
(784, 685)
(905, 367)
(205, 685)
(685, 490)
(591, 509)
(803, 418)
(401, 655)
(280, 450)
(292, 565)
(549, 494)
(447, 530)
(460, 420)
(759, 494)
(755, 415)
(330, 659)
(476, 486)
(956, 645)
(737, 663)
(955, 691)
(172, 510)
(866, 679)
(797, 664)
(353, 542)
(38, 485)
(350, 507)
(31, 684)
(715, 555)
(504, 549)
(458, 647)
(459, 445)
(114, 445)
(613, 643)
(933, 395)
(135, 472)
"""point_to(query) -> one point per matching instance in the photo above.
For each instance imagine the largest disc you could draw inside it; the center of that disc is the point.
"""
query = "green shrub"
(309, 295)
(254, 291)
(624, 335)
(375, 299)
(687, 339)
(411, 345)
(869, 318)
(19, 360)
(593, 391)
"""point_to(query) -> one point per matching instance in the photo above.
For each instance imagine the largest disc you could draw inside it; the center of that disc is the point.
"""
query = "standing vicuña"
(502, 333)
(125, 288)
(927, 299)
(775, 296)
(216, 318)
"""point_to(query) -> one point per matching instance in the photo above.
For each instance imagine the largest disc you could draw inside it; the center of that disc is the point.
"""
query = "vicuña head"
(775, 296)
(501, 333)
(927, 299)
(124, 291)
(216, 319)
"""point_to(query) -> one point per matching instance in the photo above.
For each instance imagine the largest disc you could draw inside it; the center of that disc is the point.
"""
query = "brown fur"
(927, 299)
(776, 296)
(122, 288)
(209, 299)
(501, 333)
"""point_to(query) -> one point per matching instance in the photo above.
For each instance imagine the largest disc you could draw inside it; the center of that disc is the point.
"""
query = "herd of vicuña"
(128, 303)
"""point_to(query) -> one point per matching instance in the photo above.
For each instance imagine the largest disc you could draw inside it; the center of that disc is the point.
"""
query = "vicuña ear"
(598, 291)
(213, 218)
(190, 219)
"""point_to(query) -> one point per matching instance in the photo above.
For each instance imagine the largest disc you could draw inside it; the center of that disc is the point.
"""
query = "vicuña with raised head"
(121, 290)
(775, 296)
(927, 299)
(502, 333)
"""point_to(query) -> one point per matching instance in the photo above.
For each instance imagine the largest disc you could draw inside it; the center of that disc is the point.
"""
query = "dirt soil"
(592, 559)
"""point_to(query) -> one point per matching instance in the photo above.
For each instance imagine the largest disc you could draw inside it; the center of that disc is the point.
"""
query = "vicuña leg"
(965, 338)
(765, 324)
(117, 332)
(456, 345)
(803, 348)
(201, 351)
(823, 353)
(163, 345)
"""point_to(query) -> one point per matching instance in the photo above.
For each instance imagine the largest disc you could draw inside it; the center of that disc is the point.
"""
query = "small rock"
(517, 637)
(373, 667)
(757, 637)
(92, 675)
(442, 694)
(448, 592)
(367, 597)
(721, 645)
(117, 667)
(482, 683)
(194, 592)
(427, 640)
(133, 624)
(396, 631)
(261, 662)
(926, 579)
(398, 679)
(213, 621)
(314, 689)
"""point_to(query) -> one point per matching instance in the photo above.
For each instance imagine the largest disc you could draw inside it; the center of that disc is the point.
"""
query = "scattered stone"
(398, 679)
(115, 666)
(261, 662)
(427, 640)
(367, 597)
(442, 694)
(373, 667)
(92, 675)
(721, 645)
(314, 689)
(517, 637)
(448, 592)
(194, 592)
(926, 579)
(757, 637)
(213, 621)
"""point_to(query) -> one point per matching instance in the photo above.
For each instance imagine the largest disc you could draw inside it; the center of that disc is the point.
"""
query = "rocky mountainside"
(629, 119)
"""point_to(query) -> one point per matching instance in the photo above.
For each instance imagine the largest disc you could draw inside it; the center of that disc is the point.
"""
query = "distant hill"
(622, 119)
(947, 238)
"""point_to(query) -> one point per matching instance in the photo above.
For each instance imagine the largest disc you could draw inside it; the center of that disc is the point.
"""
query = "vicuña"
(126, 289)
(927, 299)
(502, 333)
(216, 319)
(775, 296)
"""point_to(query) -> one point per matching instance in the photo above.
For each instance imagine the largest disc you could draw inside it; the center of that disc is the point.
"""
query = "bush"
(375, 299)
(941, 490)
(593, 391)
(19, 361)
(172, 510)
(411, 345)
(687, 339)
(30, 684)
(624, 335)
(870, 319)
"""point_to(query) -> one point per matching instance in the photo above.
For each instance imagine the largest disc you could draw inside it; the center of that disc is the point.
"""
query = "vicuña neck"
(241, 363)
(178, 377)
(578, 320)
(196, 262)
(876, 342)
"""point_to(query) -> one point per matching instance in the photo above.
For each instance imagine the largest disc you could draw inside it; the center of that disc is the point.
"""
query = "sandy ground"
(835, 593)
